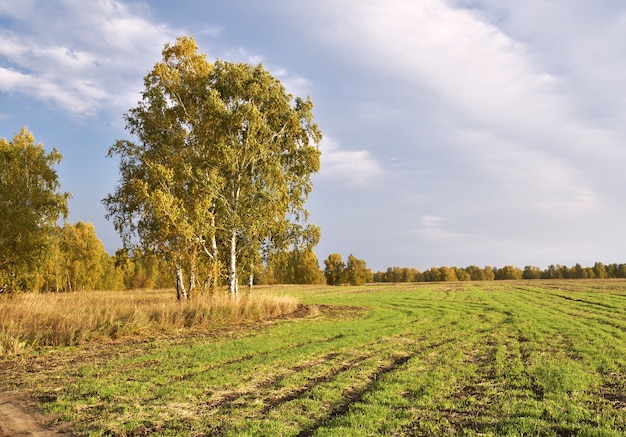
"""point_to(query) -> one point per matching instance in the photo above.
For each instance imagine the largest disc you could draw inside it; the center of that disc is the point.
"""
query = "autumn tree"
(334, 269)
(432, 275)
(599, 271)
(462, 274)
(356, 272)
(30, 205)
(507, 273)
(298, 266)
(112, 275)
(77, 261)
(489, 274)
(475, 272)
(447, 274)
(221, 166)
(82, 257)
(531, 272)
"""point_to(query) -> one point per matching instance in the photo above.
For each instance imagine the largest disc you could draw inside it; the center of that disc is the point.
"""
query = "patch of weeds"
(563, 376)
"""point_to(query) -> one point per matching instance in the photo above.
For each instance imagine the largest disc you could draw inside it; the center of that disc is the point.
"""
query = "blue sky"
(456, 132)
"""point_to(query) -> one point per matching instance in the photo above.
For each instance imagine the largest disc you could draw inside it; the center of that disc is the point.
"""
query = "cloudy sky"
(456, 132)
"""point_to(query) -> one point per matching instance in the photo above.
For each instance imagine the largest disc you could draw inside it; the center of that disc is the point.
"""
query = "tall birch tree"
(221, 166)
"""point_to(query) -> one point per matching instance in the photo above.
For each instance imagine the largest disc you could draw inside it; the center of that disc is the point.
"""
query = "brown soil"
(14, 421)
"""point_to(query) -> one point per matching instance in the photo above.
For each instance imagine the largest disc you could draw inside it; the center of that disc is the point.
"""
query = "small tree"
(82, 253)
(30, 205)
(356, 272)
(296, 267)
(334, 270)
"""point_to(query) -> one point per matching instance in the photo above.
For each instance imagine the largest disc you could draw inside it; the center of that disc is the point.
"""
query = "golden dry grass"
(32, 320)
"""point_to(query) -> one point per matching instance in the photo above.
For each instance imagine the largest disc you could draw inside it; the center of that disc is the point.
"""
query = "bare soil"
(15, 421)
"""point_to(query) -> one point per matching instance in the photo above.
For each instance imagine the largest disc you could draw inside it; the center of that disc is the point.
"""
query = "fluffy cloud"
(80, 56)
(354, 168)
(530, 134)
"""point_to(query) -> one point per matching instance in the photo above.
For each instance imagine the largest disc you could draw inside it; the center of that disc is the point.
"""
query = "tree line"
(488, 273)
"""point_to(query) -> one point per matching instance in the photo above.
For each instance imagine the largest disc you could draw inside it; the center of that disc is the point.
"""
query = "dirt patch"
(14, 421)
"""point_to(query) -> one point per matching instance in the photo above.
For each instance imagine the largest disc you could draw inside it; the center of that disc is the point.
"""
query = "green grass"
(535, 358)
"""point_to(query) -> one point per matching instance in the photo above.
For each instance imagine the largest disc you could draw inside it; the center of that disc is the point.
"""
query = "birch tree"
(30, 205)
(221, 166)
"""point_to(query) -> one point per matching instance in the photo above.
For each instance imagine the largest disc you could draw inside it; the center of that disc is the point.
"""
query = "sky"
(456, 132)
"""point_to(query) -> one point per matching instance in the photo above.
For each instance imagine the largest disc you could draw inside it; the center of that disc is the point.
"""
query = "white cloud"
(295, 85)
(533, 143)
(478, 70)
(434, 229)
(350, 167)
(472, 64)
(80, 56)
(75, 95)
(211, 31)
(528, 176)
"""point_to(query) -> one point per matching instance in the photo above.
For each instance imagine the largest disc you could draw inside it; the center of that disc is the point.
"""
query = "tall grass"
(30, 321)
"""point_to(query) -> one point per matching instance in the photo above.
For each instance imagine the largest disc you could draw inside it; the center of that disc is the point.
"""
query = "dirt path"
(15, 422)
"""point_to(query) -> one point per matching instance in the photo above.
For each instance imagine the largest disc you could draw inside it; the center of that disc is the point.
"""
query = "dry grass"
(30, 321)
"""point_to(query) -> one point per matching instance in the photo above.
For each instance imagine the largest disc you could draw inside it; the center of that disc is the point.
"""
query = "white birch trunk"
(251, 278)
(233, 282)
(181, 293)
(215, 270)
(192, 279)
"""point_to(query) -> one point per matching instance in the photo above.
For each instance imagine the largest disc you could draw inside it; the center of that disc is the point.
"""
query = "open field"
(494, 358)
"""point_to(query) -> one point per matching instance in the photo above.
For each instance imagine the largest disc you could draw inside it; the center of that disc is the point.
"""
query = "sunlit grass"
(32, 320)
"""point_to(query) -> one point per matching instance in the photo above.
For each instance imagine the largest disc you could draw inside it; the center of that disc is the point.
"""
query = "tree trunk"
(233, 282)
(251, 278)
(192, 278)
(215, 268)
(181, 293)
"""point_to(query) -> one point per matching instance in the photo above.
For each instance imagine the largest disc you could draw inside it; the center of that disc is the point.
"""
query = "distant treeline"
(475, 273)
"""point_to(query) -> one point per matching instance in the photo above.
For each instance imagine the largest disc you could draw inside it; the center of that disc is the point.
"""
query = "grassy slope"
(536, 358)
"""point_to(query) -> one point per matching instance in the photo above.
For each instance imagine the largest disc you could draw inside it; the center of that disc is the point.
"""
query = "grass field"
(534, 358)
